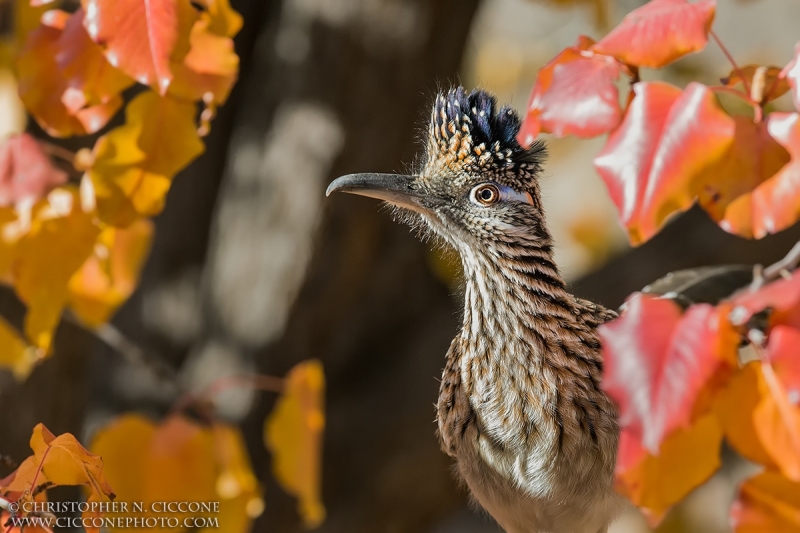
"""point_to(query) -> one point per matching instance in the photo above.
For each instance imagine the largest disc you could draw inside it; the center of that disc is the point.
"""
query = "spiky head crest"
(468, 136)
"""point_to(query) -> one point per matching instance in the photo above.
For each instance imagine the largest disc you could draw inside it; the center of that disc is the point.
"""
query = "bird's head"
(476, 185)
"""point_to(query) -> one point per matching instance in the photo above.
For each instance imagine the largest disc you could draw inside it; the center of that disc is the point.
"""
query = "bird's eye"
(486, 194)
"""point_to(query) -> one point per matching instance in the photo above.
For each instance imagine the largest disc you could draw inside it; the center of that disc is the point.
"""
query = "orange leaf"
(236, 485)
(765, 82)
(293, 433)
(61, 238)
(180, 461)
(767, 503)
(659, 364)
(90, 78)
(26, 173)
(760, 421)
(42, 86)
(652, 161)
(775, 204)
(660, 32)
(134, 164)
(109, 275)
(687, 458)
(141, 37)
(59, 461)
(571, 83)
(211, 66)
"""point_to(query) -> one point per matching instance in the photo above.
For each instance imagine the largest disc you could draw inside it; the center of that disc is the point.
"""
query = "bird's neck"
(513, 289)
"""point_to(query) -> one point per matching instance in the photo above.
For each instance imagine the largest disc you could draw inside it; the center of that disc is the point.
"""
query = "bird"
(520, 409)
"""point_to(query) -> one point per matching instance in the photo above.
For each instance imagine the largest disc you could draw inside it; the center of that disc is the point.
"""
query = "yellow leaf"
(293, 433)
(134, 164)
(15, 353)
(179, 461)
(60, 239)
(58, 461)
(109, 275)
(224, 20)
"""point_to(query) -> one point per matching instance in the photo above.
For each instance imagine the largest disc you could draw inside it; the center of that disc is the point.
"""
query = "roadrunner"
(520, 406)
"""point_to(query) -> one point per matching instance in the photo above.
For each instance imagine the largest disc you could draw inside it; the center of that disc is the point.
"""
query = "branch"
(779, 269)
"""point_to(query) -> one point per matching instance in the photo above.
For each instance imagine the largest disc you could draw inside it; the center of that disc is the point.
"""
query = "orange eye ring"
(486, 194)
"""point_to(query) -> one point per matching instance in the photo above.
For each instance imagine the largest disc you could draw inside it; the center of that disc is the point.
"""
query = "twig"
(257, 382)
(57, 151)
(129, 350)
(762, 276)
(731, 59)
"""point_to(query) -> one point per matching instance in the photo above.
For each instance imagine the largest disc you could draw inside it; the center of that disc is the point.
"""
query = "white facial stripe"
(509, 194)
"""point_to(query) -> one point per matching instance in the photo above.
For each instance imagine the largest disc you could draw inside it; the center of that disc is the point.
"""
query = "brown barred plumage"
(520, 406)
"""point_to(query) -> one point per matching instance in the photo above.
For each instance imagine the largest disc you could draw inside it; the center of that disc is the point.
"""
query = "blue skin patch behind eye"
(509, 194)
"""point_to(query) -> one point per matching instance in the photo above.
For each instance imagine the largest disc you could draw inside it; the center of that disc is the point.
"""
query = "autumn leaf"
(42, 85)
(26, 173)
(659, 32)
(293, 433)
(142, 37)
(89, 77)
(775, 204)
(210, 67)
(134, 164)
(58, 461)
(661, 157)
(180, 461)
(660, 364)
(16, 354)
(236, 486)
(109, 276)
(766, 83)
(767, 503)
(759, 420)
(792, 74)
(781, 297)
(570, 84)
(782, 355)
(60, 240)
(224, 20)
(687, 458)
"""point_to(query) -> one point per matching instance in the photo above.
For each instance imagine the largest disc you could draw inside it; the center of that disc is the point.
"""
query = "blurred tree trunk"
(336, 86)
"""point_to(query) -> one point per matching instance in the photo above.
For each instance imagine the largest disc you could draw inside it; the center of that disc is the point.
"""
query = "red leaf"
(574, 94)
(792, 74)
(782, 354)
(775, 204)
(767, 503)
(142, 36)
(660, 32)
(661, 365)
(26, 173)
(655, 163)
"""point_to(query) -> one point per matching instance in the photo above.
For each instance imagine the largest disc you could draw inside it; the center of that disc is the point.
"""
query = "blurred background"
(254, 270)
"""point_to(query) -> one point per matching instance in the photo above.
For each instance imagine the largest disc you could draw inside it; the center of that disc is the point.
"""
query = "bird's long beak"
(396, 189)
